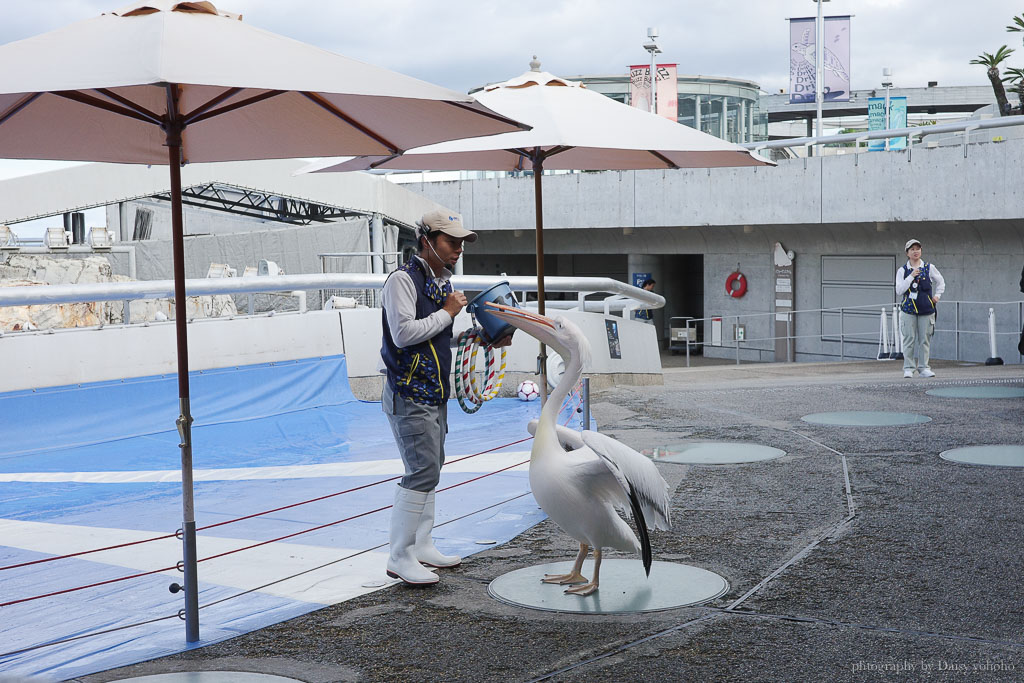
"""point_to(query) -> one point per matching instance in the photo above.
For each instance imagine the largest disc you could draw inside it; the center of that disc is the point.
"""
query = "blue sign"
(640, 278)
(897, 119)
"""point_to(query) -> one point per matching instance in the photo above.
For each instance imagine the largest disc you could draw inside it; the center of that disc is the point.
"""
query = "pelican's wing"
(636, 474)
(569, 438)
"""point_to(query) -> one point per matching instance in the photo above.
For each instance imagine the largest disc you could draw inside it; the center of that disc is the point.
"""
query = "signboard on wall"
(640, 278)
(612, 329)
(835, 65)
(667, 102)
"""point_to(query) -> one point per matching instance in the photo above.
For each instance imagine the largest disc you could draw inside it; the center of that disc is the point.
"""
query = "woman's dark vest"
(922, 284)
(420, 372)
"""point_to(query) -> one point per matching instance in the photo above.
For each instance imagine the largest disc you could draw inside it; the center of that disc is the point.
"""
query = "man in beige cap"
(419, 308)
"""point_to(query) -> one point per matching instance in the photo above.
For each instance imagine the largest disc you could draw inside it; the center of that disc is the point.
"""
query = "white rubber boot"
(405, 518)
(425, 550)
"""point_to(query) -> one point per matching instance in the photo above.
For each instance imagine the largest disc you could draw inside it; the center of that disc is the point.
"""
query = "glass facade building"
(724, 107)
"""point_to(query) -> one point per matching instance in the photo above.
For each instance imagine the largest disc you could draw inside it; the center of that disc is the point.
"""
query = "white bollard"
(897, 336)
(993, 359)
(883, 337)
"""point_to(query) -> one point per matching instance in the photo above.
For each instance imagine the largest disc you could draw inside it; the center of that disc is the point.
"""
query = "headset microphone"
(424, 232)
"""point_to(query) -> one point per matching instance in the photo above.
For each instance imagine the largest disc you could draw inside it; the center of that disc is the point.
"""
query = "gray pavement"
(859, 555)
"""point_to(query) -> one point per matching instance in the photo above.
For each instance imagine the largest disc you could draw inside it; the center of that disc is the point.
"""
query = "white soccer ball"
(528, 391)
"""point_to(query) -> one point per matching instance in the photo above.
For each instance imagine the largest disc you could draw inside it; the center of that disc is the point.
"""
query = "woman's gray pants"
(917, 331)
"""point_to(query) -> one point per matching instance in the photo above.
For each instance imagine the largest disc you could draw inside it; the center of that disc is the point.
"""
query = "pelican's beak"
(537, 326)
(521, 318)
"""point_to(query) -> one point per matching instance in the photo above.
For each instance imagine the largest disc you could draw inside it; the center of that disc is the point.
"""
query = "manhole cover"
(978, 392)
(715, 453)
(865, 418)
(997, 456)
(624, 588)
(210, 677)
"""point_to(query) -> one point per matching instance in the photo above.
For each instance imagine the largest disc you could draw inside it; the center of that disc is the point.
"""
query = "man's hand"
(503, 342)
(455, 302)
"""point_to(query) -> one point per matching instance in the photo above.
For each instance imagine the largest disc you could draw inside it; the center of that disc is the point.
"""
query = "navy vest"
(420, 372)
(922, 284)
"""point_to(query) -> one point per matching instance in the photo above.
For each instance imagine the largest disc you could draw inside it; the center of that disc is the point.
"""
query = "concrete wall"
(900, 186)
(90, 355)
(115, 352)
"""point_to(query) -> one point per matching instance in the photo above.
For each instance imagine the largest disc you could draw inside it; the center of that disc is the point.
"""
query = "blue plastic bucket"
(494, 328)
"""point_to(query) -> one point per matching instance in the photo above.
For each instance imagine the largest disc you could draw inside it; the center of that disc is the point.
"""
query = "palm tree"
(1016, 76)
(1017, 26)
(992, 61)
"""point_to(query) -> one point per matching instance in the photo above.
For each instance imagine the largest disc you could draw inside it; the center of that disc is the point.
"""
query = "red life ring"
(740, 288)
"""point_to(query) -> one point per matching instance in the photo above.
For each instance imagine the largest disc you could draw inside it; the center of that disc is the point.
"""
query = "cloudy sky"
(463, 43)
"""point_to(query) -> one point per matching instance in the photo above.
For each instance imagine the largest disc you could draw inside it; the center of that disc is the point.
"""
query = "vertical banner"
(667, 103)
(897, 119)
(835, 60)
(640, 86)
(665, 80)
(785, 350)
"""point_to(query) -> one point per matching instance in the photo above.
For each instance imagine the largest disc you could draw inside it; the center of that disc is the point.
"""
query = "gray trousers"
(419, 432)
(917, 331)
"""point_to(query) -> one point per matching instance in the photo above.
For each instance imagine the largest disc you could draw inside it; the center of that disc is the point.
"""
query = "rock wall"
(22, 270)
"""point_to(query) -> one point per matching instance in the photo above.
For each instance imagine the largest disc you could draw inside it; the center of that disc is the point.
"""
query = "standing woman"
(921, 286)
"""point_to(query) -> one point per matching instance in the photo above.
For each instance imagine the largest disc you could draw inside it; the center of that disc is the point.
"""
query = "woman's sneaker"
(908, 374)
(927, 373)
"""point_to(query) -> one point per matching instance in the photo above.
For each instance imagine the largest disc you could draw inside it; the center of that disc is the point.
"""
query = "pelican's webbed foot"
(565, 579)
(585, 589)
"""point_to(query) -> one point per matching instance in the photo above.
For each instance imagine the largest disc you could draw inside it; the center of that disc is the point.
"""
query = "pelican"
(581, 479)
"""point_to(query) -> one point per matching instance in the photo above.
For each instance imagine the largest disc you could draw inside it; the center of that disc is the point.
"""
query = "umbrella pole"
(538, 200)
(184, 422)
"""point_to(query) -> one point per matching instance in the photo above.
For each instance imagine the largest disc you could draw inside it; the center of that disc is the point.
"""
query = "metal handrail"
(957, 127)
(843, 335)
(164, 289)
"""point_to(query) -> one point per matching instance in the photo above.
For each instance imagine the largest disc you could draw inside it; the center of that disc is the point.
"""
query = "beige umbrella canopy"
(163, 82)
(573, 128)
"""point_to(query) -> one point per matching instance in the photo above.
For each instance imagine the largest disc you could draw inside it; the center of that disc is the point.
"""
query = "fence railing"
(883, 335)
(965, 127)
(620, 296)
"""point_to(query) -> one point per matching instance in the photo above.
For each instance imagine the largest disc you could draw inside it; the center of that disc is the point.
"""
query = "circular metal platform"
(210, 677)
(996, 456)
(978, 392)
(715, 453)
(865, 418)
(624, 588)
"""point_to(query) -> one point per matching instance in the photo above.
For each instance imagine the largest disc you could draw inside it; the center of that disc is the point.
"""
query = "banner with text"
(897, 119)
(667, 102)
(835, 60)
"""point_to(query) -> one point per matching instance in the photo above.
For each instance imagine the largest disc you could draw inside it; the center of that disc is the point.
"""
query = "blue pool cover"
(92, 466)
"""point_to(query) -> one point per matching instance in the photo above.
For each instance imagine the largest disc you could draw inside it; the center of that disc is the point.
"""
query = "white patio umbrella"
(163, 82)
(573, 128)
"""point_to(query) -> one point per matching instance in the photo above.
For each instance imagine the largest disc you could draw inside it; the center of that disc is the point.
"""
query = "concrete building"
(846, 218)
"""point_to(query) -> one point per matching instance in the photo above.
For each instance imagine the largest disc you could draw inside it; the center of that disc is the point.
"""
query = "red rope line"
(262, 543)
(86, 552)
(61, 641)
(256, 545)
(239, 519)
(91, 585)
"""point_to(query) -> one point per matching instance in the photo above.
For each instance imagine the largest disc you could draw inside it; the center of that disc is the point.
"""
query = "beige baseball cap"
(910, 243)
(448, 223)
